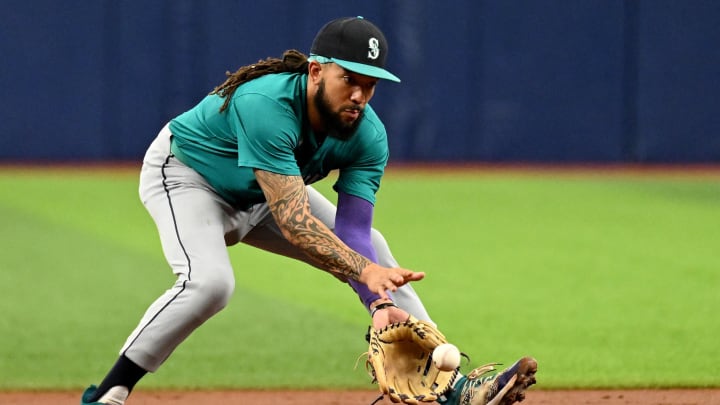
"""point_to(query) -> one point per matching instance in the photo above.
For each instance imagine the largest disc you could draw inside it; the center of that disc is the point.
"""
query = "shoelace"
(468, 391)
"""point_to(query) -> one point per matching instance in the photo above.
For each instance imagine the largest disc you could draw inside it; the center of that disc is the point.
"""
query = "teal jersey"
(265, 126)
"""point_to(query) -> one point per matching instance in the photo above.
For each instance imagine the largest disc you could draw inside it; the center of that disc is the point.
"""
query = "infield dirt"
(534, 397)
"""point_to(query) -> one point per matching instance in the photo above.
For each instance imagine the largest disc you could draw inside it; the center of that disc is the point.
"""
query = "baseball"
(446, 357)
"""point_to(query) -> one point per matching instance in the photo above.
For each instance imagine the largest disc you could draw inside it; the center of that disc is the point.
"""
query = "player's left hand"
(392, 314)
(399, 360)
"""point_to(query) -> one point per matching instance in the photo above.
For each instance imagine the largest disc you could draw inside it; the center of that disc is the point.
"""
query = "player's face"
(341, 99)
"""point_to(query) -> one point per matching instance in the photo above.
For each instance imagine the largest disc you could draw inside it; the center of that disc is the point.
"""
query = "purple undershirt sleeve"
(353, 223)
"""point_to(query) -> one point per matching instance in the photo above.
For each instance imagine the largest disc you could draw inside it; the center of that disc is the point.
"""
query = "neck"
(313, 114)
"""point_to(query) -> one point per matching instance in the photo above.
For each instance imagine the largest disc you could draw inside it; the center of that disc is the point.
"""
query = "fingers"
(381, 288)
(399, 278)
(406, 276)
(380, 280)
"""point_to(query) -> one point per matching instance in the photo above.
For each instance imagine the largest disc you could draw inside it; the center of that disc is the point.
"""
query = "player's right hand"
(382, 279)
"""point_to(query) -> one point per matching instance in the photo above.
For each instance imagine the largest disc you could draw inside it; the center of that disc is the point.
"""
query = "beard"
(335, 126)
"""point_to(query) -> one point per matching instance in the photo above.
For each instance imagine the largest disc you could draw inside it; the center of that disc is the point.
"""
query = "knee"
(384, 256)
(211, 294)
(378, 241)
(377, 237)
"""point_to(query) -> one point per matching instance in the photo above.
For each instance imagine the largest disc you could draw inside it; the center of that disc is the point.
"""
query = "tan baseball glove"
(400, 361)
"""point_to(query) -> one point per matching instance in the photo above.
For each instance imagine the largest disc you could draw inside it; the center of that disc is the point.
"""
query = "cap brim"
(366, 70)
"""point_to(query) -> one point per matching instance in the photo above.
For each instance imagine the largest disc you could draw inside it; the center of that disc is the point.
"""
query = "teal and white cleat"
(115, 396)
(504, 388)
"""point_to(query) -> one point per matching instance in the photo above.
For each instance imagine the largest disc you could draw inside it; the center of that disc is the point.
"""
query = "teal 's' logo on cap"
(374, 51)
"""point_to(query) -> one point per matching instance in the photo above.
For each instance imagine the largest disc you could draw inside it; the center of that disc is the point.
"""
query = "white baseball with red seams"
(446, 357)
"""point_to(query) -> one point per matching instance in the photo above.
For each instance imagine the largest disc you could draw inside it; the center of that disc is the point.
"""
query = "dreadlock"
(292, 61)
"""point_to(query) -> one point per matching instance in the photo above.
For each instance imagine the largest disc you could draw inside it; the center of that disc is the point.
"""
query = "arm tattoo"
(288, 201)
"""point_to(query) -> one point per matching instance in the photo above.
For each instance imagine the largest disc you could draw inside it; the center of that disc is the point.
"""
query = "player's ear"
(314, 70)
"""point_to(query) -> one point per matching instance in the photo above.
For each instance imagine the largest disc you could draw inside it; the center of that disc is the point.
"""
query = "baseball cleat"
(504, 388)
(115, 396)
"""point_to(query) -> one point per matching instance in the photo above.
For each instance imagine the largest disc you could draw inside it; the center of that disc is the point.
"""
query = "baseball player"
(237, 167)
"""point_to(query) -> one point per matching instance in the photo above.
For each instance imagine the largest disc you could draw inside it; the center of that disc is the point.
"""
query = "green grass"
(609, 281)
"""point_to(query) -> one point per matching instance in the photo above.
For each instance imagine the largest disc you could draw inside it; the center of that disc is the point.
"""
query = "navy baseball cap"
(354, 43)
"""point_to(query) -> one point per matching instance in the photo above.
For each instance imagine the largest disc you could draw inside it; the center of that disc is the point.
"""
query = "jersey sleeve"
(267, 133)
(362, 176)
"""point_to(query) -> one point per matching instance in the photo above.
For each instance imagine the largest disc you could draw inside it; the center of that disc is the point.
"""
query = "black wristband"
(382, 306)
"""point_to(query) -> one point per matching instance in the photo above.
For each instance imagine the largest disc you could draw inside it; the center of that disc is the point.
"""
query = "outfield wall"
(492, 81)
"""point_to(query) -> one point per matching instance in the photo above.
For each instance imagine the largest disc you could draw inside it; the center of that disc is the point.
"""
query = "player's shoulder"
(370, 141)
(371, 129)
(283, 90)
(274, 84)
(372, 122)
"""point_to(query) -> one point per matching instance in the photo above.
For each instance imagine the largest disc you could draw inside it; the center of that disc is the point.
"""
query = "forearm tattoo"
(288, 201)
